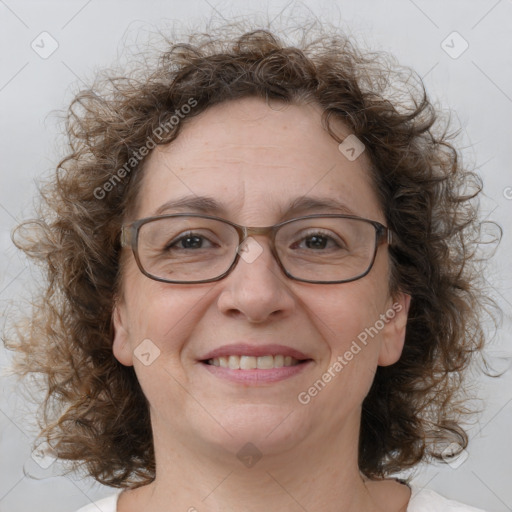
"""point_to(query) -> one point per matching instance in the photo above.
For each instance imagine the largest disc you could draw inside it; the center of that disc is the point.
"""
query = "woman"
(261, 290)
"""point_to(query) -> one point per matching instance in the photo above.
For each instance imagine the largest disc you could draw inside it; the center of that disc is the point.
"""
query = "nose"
(256, 289)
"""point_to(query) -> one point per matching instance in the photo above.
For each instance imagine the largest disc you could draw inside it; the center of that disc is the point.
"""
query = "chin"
(271, 429)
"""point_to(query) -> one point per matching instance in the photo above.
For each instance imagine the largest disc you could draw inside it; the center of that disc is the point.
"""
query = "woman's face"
(254, 161)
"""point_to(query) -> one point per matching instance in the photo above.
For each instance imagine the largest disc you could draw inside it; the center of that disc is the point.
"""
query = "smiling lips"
(251, 362)
(255, 363)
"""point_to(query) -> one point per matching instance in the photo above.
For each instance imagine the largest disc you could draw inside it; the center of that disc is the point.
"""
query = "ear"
(393, 333)
(121, 347)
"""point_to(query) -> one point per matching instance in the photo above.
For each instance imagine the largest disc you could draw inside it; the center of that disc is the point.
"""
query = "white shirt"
(422, 500)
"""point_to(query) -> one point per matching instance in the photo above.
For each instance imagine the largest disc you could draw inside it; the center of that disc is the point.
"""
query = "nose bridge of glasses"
(254, 231)
(247, 232)
(266, 231)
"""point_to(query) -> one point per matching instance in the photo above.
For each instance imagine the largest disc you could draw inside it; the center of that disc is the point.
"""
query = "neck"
(321, 473)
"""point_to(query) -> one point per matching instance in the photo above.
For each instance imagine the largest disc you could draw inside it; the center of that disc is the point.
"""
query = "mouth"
(246, 362)
(253, 365)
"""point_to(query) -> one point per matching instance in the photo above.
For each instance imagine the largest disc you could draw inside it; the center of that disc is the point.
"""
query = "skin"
(254, 158)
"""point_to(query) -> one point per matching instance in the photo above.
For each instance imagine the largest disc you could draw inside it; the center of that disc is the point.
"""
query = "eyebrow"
(200, 204)
(209, 205)
(307, 203)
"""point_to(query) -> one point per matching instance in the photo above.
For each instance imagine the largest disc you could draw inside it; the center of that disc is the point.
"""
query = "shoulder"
(108, 504)
(426, 500)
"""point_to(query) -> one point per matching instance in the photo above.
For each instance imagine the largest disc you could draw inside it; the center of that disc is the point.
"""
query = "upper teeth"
(251, 362)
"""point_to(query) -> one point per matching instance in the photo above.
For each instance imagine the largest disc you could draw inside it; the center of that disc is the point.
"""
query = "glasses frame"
(130, 237)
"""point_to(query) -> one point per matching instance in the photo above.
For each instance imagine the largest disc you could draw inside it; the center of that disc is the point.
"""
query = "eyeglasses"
(191, 248)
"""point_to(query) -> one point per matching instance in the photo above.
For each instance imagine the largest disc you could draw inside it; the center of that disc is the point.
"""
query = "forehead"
(255, 159)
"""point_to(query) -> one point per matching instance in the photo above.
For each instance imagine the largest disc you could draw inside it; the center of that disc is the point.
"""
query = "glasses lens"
(317, 249)
(326, 248)
(186, 248)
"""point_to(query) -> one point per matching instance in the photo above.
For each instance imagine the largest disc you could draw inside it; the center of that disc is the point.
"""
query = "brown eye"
(189, 241)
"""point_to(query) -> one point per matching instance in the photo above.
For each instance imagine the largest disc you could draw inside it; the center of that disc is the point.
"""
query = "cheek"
(348, 320)
(344, 377)
(345, 312)
(162, 320)
(165, 314)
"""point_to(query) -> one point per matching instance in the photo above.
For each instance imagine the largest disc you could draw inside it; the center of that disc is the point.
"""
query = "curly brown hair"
(94, 412)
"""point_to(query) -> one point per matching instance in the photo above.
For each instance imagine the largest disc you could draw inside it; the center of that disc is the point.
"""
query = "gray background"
(477, 85)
